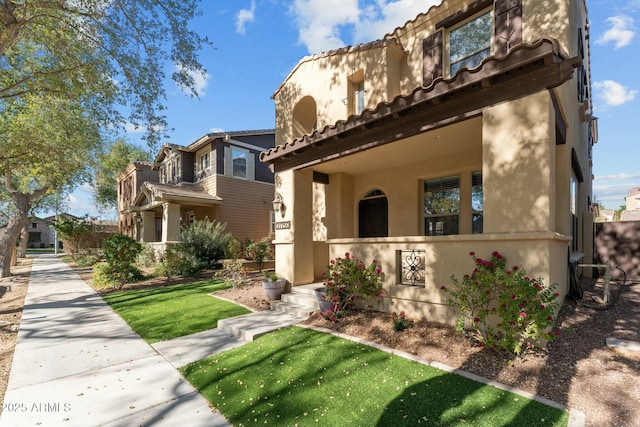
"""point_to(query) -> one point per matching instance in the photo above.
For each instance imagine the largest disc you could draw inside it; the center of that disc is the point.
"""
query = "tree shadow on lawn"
(451, 399)
(350, 382)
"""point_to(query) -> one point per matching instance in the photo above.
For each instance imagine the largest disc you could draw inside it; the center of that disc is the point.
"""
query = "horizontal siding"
(245, 207)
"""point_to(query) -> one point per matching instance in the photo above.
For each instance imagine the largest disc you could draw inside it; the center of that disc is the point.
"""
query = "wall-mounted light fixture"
(139, 219)
(278, 204)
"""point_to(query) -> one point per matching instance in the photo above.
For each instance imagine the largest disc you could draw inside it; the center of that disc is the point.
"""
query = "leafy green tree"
(109, 164)
(106, 53)
(65, 69)
(44, 144)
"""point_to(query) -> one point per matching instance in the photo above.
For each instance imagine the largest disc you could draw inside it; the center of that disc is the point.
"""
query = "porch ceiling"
(446, 141)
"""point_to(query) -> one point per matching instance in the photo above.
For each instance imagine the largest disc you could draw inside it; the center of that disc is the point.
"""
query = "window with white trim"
(356, 95)
(470, 42)
(239, 163)
(203, 161)
(442, 206)
(272, 222)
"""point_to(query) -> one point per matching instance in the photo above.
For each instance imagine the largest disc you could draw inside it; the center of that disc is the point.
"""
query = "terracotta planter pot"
(274, 289)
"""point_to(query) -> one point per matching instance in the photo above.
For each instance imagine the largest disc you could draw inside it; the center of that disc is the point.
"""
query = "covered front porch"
(162, 210)
(420, 205)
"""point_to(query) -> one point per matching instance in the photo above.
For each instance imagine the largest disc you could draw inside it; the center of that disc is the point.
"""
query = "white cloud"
(131, 128)
(245, 16)
(621, 32)
(319, 22)
(322, 24)
(201, 81)
(617, 177)
(613, 93)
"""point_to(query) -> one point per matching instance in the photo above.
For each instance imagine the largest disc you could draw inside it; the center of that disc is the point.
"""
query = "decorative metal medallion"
(412, 267)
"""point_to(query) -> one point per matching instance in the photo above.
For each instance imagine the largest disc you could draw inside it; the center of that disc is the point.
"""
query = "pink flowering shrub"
(504, 308)
(348, 280)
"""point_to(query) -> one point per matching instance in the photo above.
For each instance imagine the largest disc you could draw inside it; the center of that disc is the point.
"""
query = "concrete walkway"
(77, 363)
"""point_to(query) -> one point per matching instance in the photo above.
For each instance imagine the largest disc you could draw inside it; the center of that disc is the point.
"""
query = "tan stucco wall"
(294, 245)
(518, 172)
(404, 188)
(325, 78)
(445, 256)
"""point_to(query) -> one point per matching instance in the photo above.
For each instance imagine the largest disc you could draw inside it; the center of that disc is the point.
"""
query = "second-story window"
(470, 42)
(356, 99)
(239, 163)
(359, 97)
(203, 161)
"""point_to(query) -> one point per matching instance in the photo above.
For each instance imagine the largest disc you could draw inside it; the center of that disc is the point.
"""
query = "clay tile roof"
(547, 50)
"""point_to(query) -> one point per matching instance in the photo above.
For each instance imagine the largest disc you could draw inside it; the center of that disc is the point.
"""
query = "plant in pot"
(273, 286)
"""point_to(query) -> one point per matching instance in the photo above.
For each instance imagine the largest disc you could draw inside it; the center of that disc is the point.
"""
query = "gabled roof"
(155, 194)
(166, 149)
(195, 145)
(526, 69)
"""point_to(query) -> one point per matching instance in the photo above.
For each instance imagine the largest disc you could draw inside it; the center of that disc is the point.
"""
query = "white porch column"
(170, 222)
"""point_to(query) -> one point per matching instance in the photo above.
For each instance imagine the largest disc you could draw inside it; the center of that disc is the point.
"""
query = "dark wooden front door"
(373, 217)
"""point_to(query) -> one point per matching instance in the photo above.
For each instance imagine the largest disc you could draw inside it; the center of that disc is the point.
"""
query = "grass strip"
(159, 314)
(297, 376)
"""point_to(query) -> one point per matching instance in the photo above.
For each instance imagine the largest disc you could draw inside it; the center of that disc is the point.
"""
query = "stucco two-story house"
(469, 128)
(217, 177)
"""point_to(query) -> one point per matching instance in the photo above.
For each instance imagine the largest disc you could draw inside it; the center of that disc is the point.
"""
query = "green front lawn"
(297, 376)
(159, 314)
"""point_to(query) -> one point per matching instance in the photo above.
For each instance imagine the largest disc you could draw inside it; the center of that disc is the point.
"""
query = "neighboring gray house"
(218, 176)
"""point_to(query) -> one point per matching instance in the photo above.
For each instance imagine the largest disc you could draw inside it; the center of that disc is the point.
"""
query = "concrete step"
(297, 310)
(301, 299)
(250, 326)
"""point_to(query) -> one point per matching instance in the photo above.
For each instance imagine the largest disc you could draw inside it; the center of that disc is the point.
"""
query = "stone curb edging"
(576, 418)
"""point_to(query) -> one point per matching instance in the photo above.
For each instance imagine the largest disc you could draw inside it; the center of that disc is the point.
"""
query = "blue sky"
(258, 42)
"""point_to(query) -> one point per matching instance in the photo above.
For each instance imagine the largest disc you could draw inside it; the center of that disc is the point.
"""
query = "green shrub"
(146, 257)
(120, 254)
(399, 322)
(504, 308)
(102, 277)
(260, 251)
(234, 248)
(87, 260)
(179, 261)
(80, 236)
(205, 240)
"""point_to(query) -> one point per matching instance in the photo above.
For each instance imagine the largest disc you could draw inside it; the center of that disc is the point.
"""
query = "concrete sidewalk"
(77, 363)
